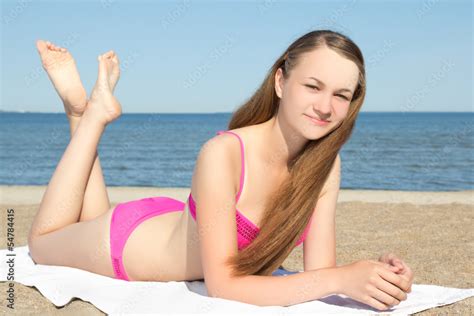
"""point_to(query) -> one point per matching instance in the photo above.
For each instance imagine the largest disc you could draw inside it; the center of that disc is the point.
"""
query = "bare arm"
(319, 247)
(279, 290)
(214, 185)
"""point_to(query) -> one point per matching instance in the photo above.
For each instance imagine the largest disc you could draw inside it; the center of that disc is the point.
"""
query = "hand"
(402, 268)
(373, 283)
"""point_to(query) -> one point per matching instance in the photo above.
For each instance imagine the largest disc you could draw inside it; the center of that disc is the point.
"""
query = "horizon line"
(62, 112)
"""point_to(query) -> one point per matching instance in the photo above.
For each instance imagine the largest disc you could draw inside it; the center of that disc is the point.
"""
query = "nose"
(322, 108)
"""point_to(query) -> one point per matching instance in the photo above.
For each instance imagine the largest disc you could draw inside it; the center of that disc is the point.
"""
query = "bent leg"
(62, 202)
(96, 199)
(82, 245)
(61, 69)
(56, 237)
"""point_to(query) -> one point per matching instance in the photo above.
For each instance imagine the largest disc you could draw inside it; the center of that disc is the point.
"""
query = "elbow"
(222, 287)
(215, 292)
(218, 290)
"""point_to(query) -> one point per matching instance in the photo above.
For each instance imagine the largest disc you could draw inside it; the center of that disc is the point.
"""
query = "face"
(316, 106)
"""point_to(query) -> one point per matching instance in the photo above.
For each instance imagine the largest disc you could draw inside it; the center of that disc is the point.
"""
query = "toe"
(109, 54)
(41, 46)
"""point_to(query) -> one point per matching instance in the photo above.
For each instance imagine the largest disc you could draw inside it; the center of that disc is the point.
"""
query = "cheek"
(341, 110)
(294, 102)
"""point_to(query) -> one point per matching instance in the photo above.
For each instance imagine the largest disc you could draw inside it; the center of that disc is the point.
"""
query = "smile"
(317, 122)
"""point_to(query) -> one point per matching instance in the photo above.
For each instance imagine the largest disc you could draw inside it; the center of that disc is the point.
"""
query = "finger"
(403, 263)
(394, 263)
(391, 290)
(385, 298)
(383, 264)
(398, 280)
(399, 263)
(409, 272)
(376, 304)
(393, 259)
(387, 266)
(406, 278)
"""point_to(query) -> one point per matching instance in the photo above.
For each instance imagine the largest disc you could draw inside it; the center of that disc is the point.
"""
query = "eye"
(316, 88)
(312, 87)
(343, 96)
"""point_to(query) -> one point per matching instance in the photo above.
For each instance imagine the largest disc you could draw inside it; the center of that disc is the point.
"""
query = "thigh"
(82, 245)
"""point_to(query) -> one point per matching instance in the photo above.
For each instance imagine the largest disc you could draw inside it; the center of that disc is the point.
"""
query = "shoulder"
(218, 157)
(224, 148)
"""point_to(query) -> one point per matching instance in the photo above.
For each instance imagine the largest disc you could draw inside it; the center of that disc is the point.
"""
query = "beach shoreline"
(430, 231)
(32, 194)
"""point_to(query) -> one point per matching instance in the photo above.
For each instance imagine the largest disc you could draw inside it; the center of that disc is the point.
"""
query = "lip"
(316, 121)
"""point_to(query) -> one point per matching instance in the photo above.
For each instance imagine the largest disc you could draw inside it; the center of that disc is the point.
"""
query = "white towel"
(60, 284)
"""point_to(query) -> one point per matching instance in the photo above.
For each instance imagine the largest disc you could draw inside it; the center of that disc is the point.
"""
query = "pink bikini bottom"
(127, 216)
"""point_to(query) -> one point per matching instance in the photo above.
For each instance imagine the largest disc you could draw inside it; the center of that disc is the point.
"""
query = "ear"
(279, 80)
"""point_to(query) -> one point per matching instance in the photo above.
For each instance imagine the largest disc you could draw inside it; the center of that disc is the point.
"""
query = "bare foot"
(113, 69)
(102, 104)
(62, 71)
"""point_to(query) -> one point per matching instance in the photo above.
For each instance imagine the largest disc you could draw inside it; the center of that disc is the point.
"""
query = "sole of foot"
(62, 70)
(102, 103)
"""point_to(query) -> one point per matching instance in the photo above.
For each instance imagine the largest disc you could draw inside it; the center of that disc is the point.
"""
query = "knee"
(32, 236)
(34, 249)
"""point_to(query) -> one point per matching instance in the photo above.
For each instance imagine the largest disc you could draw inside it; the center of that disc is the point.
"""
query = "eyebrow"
(322, 83)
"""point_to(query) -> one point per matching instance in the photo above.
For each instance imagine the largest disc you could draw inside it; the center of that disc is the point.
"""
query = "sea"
(408, 151)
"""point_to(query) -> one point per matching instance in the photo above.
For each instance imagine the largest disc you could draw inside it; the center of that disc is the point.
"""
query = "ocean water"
(392, 151)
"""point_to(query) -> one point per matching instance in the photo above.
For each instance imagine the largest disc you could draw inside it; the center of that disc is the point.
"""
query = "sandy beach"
(428, 230)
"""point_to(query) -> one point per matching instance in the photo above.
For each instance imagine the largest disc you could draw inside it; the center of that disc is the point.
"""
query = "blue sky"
(210, 56)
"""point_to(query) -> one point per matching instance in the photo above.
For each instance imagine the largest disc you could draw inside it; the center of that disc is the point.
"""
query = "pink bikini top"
(246, 230)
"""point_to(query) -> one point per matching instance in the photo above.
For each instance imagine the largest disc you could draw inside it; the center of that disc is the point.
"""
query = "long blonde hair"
(289, 209)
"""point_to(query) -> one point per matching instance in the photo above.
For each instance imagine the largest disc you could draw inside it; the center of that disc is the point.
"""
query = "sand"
(430, 231)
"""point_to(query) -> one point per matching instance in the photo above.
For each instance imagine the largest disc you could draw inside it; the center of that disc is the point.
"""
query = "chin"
(314, 135)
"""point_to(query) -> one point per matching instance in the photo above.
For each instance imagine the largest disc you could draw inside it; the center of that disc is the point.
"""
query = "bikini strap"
(242, 162)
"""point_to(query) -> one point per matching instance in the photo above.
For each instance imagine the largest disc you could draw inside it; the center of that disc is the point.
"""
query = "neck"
(280, 143)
